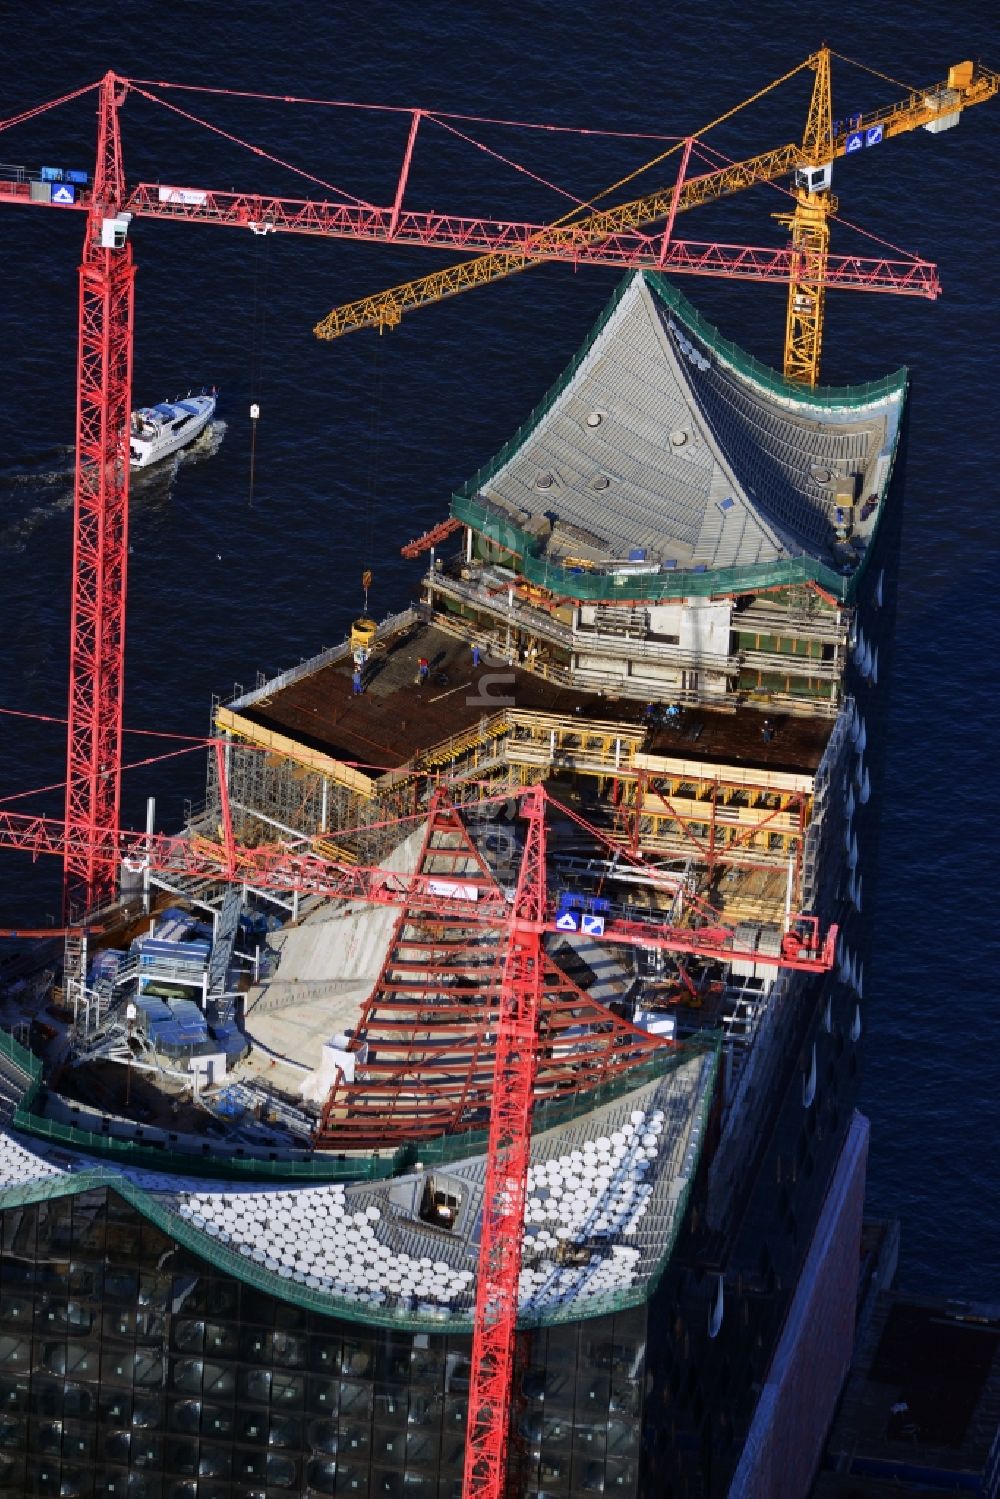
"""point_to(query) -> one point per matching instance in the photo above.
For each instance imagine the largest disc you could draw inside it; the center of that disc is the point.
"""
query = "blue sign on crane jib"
(63, 192)
(873, 135)
(855, 141)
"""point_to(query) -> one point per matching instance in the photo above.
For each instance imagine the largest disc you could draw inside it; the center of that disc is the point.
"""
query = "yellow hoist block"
(363, 633)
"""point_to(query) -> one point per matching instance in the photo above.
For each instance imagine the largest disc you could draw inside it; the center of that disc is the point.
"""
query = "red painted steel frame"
(100, 532)
(477, 901)
(507, 1157)
(625, 249)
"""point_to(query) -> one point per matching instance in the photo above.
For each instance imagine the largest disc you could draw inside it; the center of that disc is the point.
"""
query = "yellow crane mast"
(935, 108)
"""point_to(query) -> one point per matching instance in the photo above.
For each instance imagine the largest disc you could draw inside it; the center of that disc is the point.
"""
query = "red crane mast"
(104, 379)
(507, 1158)
(100, 522)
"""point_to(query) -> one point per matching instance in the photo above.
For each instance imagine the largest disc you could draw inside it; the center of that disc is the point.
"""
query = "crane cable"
(257, 339)
(678, 145)
(374, 468)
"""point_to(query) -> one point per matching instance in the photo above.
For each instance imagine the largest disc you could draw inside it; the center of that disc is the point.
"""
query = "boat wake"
(40, 490)
(32, 494)
(205, 446)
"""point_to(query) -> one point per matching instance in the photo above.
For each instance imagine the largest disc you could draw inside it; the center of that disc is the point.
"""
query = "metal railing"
(309, 666)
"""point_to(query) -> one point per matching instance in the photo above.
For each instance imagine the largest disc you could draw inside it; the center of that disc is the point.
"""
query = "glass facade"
(129, 1367)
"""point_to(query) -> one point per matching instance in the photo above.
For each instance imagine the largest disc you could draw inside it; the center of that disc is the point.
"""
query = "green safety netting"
(158, 1211)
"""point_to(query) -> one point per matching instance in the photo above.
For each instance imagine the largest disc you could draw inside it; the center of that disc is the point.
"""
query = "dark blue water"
(360, 442)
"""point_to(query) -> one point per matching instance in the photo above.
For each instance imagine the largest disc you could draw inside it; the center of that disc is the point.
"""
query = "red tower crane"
(89, 840)
(100, 512)
(525, 920)
(100, 547)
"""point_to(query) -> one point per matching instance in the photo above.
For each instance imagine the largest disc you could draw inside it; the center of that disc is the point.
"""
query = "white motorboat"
(157, 431)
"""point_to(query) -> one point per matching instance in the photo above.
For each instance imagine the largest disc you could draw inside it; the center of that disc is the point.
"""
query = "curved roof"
(663, 447)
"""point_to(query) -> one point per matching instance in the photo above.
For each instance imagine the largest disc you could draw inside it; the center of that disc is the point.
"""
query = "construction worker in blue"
(356, 682)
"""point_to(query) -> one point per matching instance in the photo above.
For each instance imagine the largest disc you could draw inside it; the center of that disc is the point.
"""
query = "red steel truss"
(621, 249)
(430, 538)
(93, 775)
(507, 1158)
(424, 1038)
(100, 527)
(471, 900)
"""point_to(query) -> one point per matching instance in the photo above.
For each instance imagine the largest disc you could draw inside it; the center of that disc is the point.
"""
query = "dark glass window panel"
(182, 1456)
(392, 1357)
(284, 1431)
(287, 1390)
(418, 1485)
(15, 1352)
(288, 1349)
(323, 1395)
(218, 1420)
(221, 1338)
(354, 1439)
(186, 1375)
(188, 1335)
(351, 1479)
(252, 1426)
(111, 1483)
(155, 1242)
(215, 1460)
(222, 1300)
(13, 1477)
(16, 1311)
(82, 1280)
(321, 1475)
(184, 1416)
(282, 1473)
(13, 1392)
(356, 1358)
(355, 1398)
(424, 1410)
(219, 1380)
(123, 1243)
(78, 1440)
(150, 1327)
(50, 1479)
(13, 1433)
(388, 1445)
(255, 1386)
(114, 1407)
(46, 1438)
(324, 1353)
(323, 1437)
(184, 1294)
(117, 1324)
(289, 1318)
(427, 1362)
(255, 1345)
(622, 1439)
(455, 1412)
(156, 1292)
(147, 1449)
(391, 1405)
(422, 1448)
(121, 1284)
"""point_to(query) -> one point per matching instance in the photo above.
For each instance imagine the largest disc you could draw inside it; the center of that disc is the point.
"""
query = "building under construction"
(668, 600)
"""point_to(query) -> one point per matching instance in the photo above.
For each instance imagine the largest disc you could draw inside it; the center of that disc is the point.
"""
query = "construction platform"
(396, 721)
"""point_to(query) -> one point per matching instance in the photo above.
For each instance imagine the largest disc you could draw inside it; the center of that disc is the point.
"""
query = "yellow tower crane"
(810, 165)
